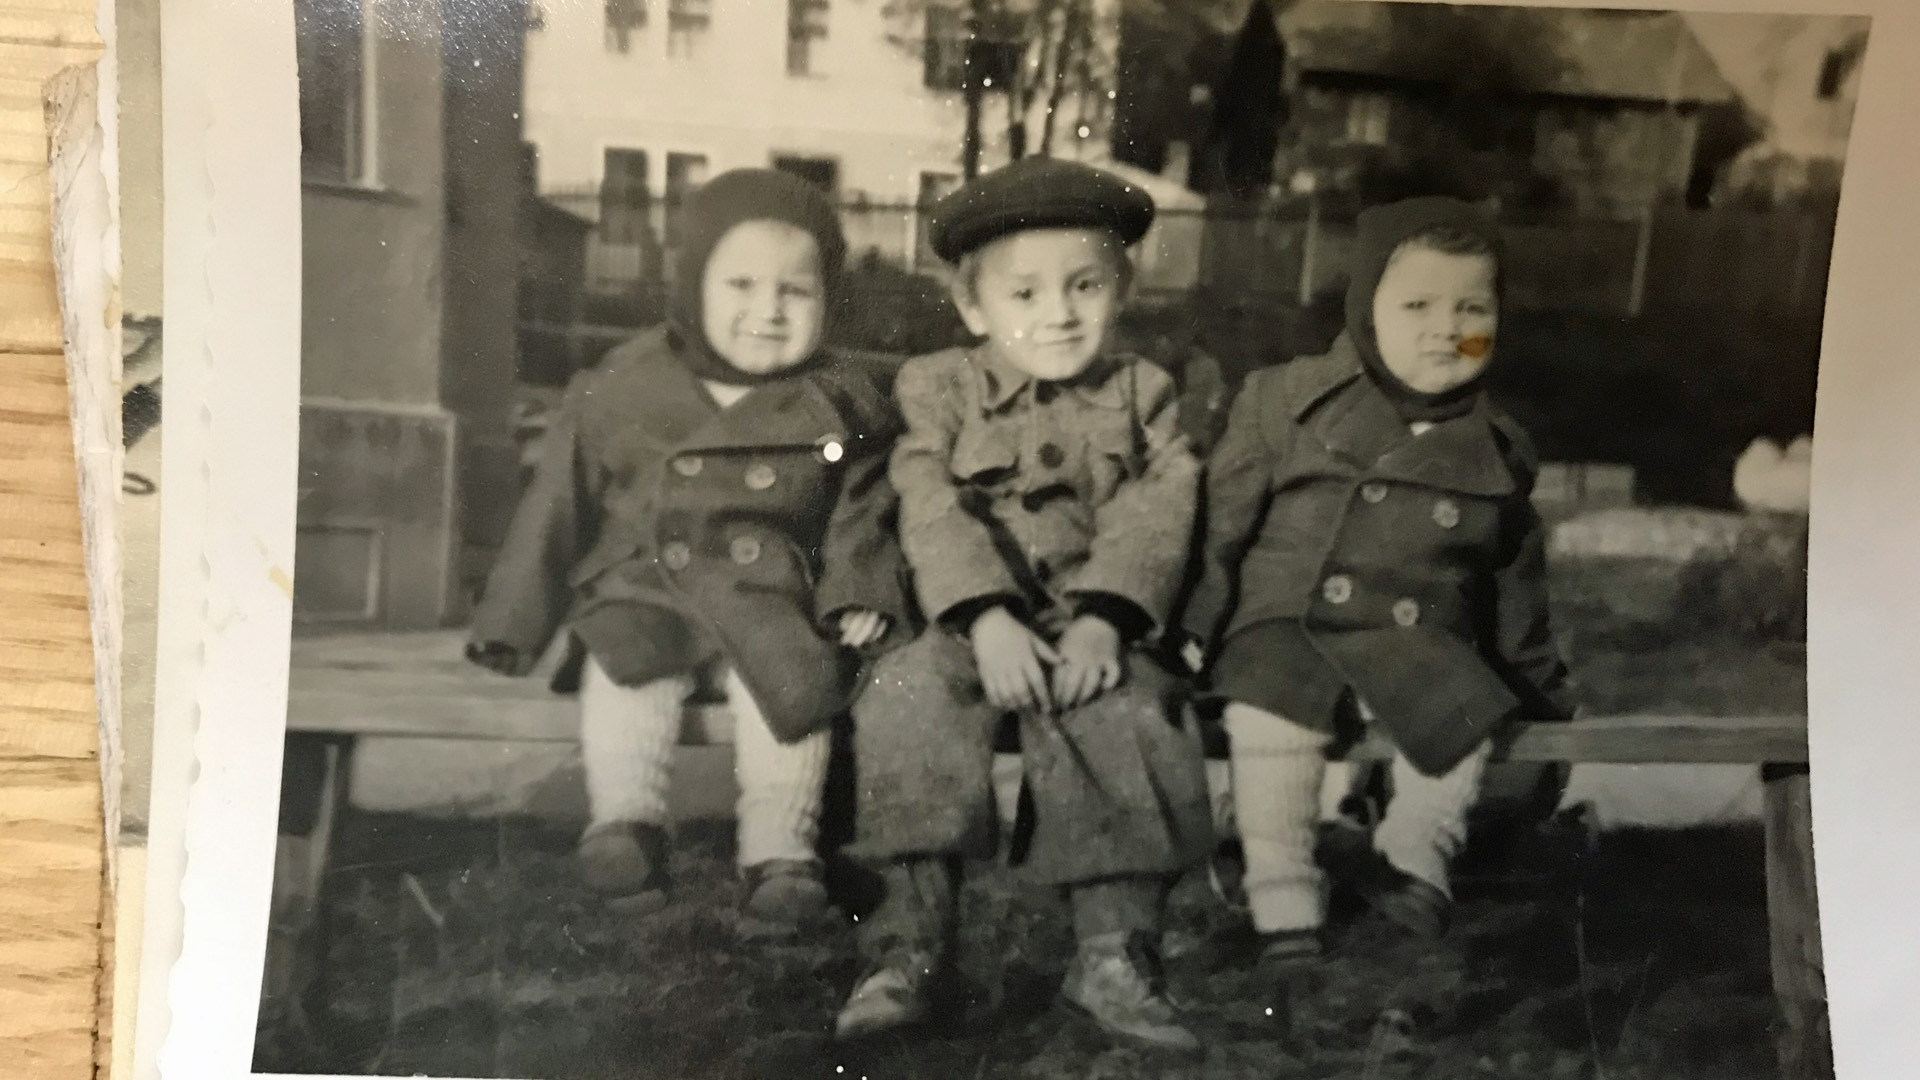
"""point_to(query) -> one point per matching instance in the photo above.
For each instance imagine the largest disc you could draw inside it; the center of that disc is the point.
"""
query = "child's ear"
(966, 299)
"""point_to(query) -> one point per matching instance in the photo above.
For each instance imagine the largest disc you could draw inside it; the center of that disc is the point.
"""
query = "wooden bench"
(416, 686)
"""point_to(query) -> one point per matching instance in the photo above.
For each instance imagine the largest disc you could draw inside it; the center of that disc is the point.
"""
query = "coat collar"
(1357, 422)
(1000, 383)
(680, 412)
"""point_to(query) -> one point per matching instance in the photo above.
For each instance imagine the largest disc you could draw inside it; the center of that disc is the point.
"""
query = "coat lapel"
(1458, 454)
(1359, 425)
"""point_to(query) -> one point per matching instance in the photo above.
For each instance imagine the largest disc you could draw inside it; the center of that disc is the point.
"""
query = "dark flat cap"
(1037, 193)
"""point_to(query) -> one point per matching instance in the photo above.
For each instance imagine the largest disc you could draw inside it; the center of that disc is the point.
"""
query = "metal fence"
(1734, 261)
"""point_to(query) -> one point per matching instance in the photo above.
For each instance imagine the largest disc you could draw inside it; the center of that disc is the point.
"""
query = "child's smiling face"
(762, 300)
(1045, 298)
(1434, 317)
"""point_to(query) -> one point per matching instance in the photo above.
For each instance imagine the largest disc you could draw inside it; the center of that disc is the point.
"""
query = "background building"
(632, 103)
(410, 199)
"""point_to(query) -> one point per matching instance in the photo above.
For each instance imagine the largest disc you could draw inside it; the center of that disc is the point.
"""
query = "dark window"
(624, 17)
(685, 174)
(687, 25)
(1490, 127)
(806, 25)
(330, 45)
(822, 171)
(947, 49)
(625, 202)
(1833, 72)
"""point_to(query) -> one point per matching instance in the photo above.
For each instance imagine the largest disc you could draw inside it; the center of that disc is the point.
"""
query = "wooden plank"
(1648, 739)
(1793, 915)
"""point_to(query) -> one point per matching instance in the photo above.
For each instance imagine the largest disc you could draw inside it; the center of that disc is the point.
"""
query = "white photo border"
(233, 321)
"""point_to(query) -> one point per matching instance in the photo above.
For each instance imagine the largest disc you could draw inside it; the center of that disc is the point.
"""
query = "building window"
(1369, 119)
(1833, 73)
(330, 42)
(947, 49)
(1488, 127)
(685, 174)
(624, 18)
(626, 203)
(687, 25)
(806, 28)
(824, 172)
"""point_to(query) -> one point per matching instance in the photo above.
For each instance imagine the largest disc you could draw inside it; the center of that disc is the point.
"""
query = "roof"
(1617, 55)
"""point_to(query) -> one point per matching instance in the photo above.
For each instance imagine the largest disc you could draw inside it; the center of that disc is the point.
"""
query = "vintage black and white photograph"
(1231, 539)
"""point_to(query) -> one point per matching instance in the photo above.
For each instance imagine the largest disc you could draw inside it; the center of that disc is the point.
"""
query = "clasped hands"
(1019, 669)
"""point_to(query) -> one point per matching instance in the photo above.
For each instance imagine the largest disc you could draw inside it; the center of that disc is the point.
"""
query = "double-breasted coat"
(1047, 497)
(1346, 554)
(664, 530)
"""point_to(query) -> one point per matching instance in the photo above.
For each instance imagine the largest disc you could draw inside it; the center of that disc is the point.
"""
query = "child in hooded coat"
(1373, 556)
(715, 491)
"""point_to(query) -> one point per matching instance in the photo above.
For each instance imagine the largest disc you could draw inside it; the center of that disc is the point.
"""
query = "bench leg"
(1793, 912)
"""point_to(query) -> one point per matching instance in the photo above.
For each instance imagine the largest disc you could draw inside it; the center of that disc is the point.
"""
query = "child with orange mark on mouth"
(1373, 558)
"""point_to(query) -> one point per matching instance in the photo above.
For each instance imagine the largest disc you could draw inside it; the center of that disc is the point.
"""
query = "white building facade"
(630, 103)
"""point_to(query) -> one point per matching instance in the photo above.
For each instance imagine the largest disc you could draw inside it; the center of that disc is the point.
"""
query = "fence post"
(1310, 250)
(1642, 253)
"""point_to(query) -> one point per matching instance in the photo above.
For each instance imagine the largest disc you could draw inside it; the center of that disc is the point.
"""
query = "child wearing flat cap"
(1047, 504)
(714, 493)
(1373, 556)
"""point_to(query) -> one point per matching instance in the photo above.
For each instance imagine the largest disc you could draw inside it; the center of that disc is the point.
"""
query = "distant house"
(1797, 78)
(1588, 110)
(632, 103)
(409, 201)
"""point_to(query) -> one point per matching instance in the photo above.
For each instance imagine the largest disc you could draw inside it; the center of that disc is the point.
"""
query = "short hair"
(964, 276)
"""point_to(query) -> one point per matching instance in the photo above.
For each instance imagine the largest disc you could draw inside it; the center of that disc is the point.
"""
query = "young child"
(715, 490)
(1047, 503)
(1372, 555)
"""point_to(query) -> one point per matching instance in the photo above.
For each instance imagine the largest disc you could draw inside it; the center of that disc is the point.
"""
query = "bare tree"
(1034, 53)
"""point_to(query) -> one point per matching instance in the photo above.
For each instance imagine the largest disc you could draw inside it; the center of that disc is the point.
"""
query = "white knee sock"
(780, 784)
(1277, 768)
(627, 734)
(1426, 820)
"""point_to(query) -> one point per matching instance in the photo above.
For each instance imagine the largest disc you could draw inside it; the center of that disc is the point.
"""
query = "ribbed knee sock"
(1277, 770)
(1426, 820)
(627, 734)
(780, 784)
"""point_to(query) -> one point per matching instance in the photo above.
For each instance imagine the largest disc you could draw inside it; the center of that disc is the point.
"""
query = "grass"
(470, 949)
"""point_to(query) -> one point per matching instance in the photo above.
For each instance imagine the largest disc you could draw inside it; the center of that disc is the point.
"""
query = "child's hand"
(1089, 662)
(1012, 661)
(860, 628)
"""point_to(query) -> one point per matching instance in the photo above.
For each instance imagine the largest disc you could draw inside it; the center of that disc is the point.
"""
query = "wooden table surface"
(52, 896)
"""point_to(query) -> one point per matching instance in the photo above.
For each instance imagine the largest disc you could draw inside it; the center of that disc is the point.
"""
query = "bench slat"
(416, 686)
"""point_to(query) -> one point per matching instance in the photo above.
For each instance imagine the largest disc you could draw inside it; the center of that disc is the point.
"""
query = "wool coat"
(665, 530)
(1038, 491)
(1346, 555)
(1041, 495)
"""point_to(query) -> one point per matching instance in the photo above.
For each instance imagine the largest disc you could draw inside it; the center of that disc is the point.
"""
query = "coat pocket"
(984, 456)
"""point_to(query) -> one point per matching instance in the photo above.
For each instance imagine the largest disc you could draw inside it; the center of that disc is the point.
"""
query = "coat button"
(1446, 513)
(1337, 589)
(1052, 456)
(676, 555)
(1374, 492)
(688, 466)
(760, 476)
(1406, 611)
(745, 550)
